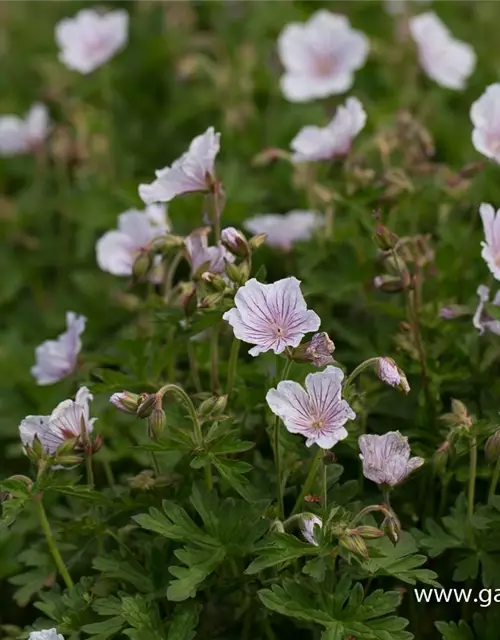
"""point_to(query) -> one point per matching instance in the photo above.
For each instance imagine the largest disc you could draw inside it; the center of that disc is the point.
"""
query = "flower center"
(318, 424)
(324, 66)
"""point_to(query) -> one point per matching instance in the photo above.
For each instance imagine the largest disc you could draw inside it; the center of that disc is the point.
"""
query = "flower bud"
(96, 443)
(272, 154)
(384, 237)
(452, 311)
(142, 265)
(492, 447)
(238, 273)
(366, 531)
(392, 284)
(126, 401)
(317, 351)
(146, 405)
(212, 300)
(168, 241)
(157, 421)
(235, 242)
(214, 281)
(189, 301)
(212, 407)
(389, 372)
(355, 544)
(459, 417)
(256, 241)
(391, 527)
(440, 458)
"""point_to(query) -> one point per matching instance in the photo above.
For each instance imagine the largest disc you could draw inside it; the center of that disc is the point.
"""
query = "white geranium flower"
(491, 245)
(320, 56)
(117, 250)
(271, 316)
(317, 412)
(386, 459)
(193, 171)
(56, 359)
(485, 116)
(282, 230)
(199, 253)
(47, 634)
(308, 524)
(91, 38)
(323, 143)
(24, 135)
(65, 422)
(447, 61)
(482, 320)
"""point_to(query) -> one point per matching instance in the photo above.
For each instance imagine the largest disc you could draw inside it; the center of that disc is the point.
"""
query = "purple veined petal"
(291, 404)
(386, 458)
(46, 634)
(309, 524)
(283, 230)
(32, 426)
(115, 253)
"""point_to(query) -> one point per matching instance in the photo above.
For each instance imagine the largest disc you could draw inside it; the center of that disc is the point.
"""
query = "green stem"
(233, 363)
(208, 476)
(214, 359)
(494, 480)
(311, 476)
(361, 367)
(88, 467)
(179, 391)
(170, 273)
(156, 465)
(324, 490)
(472, 484)
(277, 454)
(51, 543)
(194, 367)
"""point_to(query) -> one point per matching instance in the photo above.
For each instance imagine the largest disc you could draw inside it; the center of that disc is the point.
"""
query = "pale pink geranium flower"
(24, 135)
(56, 359)
(320, 56)
(447, 61)
(271, 316)
(65, 422)
(199, 253)
(282, 230)
(317, 412)
(386, 459)
(485, 116)
(193, 171)
(334, 140)
(482, 320)
(491, 247)
(309, 524)
(91, 38)
(46, 634)
(117, 250)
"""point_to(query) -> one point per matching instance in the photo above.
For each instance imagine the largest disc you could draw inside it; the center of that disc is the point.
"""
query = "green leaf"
(104, 629)
(452, 631)
(184, 622)
(232, 471)
(399, 561)
(115, 567)
(200, 564)
(280, 548)
(467, 568)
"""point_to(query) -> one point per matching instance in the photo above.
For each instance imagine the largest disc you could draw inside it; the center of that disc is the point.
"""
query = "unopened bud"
(146, 405)
(453, 311)
(459, 417)
(142, 265)
(492, 447)
(384, 237)
(355, 544)
(97, 443)
(235, 242)
(168, 241)
(214, 281)
(237, 273)
(391, 527)
(156, 423)
(366, 531)
(392, 284)
(190, 303)
(318, 351)
(67, 447)
(268, 156)
(440, 458)
(256, 241)
(126, 401)
(389, 372)
(212, 300)
(67, 461)
(213, 407)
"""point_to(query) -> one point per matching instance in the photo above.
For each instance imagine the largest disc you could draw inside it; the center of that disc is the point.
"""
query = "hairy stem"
(51, 542)
(472, 485)
(311, 477)
(214, 359)
(494, 480)
(233, 363)
(277, 453)
(355, 373)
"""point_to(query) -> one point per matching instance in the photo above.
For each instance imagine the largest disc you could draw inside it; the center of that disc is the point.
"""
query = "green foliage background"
(189, 65)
